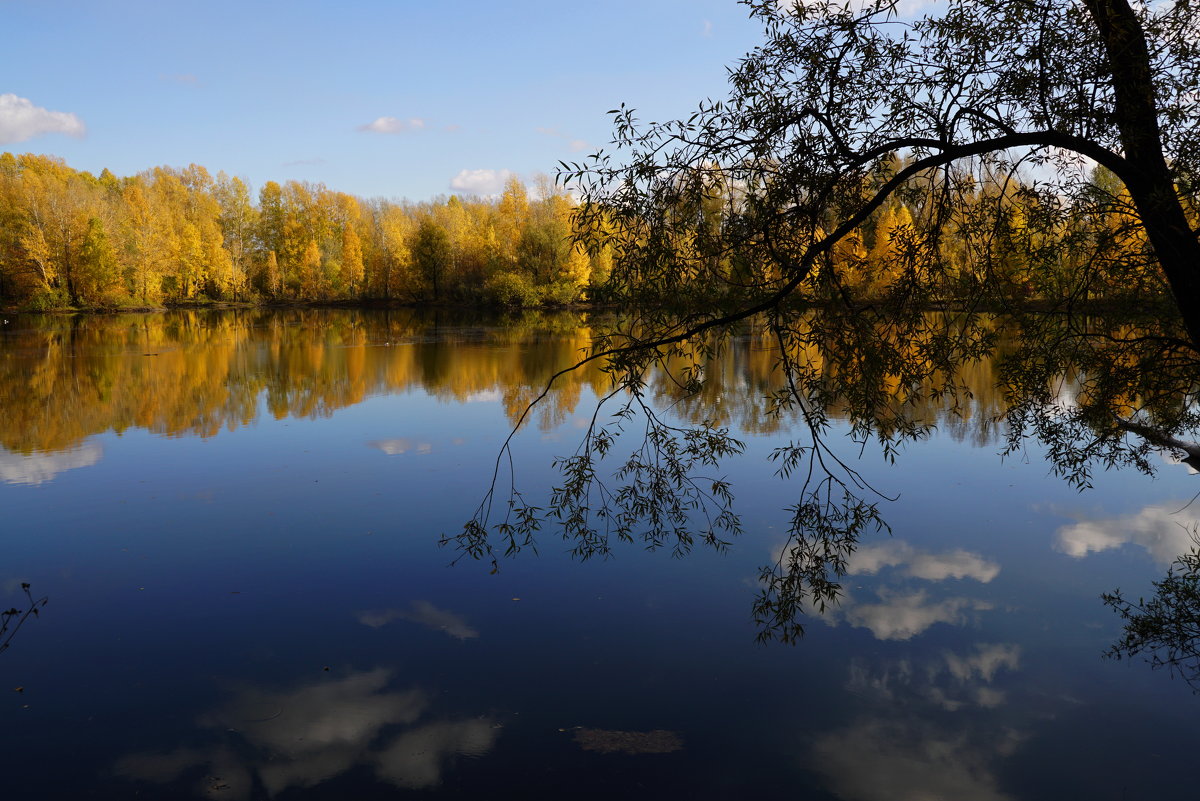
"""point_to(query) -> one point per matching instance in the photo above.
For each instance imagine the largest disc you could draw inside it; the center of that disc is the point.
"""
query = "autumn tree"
(431, 255)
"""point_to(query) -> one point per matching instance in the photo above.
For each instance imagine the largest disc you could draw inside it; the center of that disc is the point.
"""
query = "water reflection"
(39, 467)
(423, 613)
(903, 614)
(63, 379)
(401, 445)
(912, 696)
(916, 563)
(1164, 530)
(905, 748)
(305, 736)
(899, 610)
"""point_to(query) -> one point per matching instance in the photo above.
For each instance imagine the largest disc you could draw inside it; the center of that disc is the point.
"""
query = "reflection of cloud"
(424, 613)
(920, 564)
(1162, 530)
(414, 759)
(903, 615)
(986, 661)
(307, 736)
(38, 468)
(913, 751)
(393, 447)
(399, 445)
(897, 760)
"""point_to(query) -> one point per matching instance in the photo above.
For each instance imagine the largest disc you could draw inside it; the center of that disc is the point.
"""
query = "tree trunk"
(1148, 178)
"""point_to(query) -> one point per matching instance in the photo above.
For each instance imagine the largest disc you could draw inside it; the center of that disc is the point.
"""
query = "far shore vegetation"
(182, 237)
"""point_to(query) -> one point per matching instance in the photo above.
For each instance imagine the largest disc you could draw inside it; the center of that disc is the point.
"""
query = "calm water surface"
(235, 517)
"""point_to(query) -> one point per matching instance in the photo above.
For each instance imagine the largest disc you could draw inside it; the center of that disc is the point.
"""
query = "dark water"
(235, 519)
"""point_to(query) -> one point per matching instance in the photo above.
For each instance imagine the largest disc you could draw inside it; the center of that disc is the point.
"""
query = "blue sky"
(390, 98)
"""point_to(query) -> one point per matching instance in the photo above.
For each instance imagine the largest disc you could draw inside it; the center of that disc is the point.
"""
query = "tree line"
(178, 236)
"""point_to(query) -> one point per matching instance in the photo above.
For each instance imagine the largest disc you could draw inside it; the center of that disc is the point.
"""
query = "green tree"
(99, 274)
(431, 255)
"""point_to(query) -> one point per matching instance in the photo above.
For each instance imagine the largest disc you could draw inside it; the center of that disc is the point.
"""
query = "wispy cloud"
(20, 119)
(707, 30)
(575, 144)
(394, 125)
(303, 162)
(480, 182)
(184, 79)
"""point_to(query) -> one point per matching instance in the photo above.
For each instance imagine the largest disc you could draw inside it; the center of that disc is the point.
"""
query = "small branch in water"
(9, 628)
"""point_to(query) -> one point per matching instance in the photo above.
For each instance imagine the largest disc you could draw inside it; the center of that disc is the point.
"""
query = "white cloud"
(393, 125)
(905, 9)
(1163, 530)
(480, 182)
(186, 79)
(902, 616)
(21, 120)
(707, 30)
(38, 468)
(920, 564)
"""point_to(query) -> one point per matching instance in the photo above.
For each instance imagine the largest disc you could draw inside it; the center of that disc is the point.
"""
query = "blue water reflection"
(248, 601)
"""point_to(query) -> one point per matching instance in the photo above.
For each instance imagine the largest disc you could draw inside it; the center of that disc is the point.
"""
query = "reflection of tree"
(63, 379)
(1165, 629)
(12, 619)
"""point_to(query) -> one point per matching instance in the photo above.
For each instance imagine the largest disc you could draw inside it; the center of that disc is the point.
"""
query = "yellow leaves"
(180, 235)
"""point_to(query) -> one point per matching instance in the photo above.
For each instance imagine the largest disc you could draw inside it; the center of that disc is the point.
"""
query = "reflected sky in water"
(235, 518)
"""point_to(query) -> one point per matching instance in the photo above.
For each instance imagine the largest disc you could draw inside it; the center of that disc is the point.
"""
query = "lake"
(235, 519)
